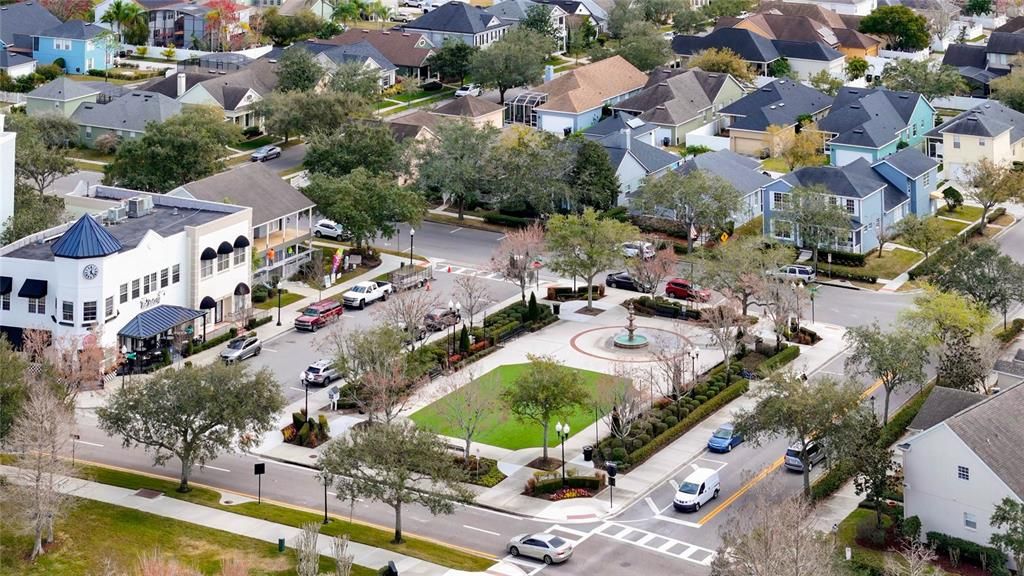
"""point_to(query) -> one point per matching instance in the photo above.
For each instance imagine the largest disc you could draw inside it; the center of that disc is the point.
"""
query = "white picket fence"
(12, 97)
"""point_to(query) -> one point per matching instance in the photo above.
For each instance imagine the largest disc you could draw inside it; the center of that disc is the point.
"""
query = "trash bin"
(556, 308)
(588, 453)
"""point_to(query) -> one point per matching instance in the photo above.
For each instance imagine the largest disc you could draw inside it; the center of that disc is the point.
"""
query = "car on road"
(265, 153)
(241, 348)
(548, 548)
(440, 318)
(321, 373)
(638, 249)
(624, 281)
(796, 273)
(724, 439)
(793, 461)
(330, 229)
(686, 290)
(414, 3)
(468, 90)
(365, 293)
(699, 488)
(318, 315)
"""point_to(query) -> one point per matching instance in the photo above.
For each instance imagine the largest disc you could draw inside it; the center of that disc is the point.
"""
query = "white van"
(700, 487)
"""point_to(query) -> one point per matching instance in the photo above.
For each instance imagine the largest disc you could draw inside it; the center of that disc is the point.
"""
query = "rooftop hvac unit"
(139, 206)
(116, 214)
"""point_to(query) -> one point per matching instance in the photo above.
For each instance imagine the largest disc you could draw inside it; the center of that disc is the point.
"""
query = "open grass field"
(500, 429)
(890, 265)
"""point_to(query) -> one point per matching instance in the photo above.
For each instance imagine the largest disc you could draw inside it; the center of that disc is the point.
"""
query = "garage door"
(844, 157)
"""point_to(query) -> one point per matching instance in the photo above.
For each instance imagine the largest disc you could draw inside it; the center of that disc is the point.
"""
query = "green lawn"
(969, 213)
(379, 537)
(889, 266)
(90, 154)
(255, 142)
(499, 429)
(951, 228)
(286, 299)
(96, 532)
(417, 94)
(779, 165)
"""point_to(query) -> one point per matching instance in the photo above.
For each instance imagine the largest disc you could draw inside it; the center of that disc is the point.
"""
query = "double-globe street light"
(412, 238)
(563, 434)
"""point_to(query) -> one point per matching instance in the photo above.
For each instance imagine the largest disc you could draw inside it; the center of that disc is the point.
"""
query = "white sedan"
(468, 90)
(545, 547)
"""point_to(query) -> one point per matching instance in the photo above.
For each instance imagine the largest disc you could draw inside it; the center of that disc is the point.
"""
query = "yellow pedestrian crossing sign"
(725, 236)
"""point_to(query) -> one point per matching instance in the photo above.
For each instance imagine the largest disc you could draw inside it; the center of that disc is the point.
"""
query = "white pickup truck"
(367, 293)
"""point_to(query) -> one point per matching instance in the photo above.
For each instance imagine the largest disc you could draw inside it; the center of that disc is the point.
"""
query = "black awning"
(242, 289)
(225, 248)
(158, 320)
(33, 289)
(6, 285)
(208, 254)
(207, 303)
(241, 242)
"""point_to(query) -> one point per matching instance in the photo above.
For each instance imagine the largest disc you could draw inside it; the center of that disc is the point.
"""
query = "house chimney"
(628, 133)
(181, 84)
(549, 73)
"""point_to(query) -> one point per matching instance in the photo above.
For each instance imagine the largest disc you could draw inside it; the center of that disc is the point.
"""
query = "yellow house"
(991, 131)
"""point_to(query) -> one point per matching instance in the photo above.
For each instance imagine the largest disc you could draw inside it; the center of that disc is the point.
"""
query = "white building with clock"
(139, 270)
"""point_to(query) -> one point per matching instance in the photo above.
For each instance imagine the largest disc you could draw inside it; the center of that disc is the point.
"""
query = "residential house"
(16, 65)
(632, 152)
(332, 56)
(322, 8)
(418, 125)
(845, 26)
(980, 64)
(460, 21)
(779, 103)
(282, 217)
(942, 403)
(957, 471)
(61, 95)
(1009, 370)
(514, 12)
(236, 93)
(678, 101)
(127, 116)
(20, 21)
(577, 10)
(854, 7)
(406, 50)
(777, 25)
(477, 111)
(872, 123)
(992, 130)
(877, 196)
(575, 100)
(742, 172)
(73, 44)
(805, 58)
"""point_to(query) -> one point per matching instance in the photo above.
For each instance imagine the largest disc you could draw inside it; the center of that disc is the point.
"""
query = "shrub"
(995, 213)
(783, 357)
(954, 199)
(259, 293)
(619, 454)
(142, 51)
(670, 421)
(991, 559)
(506, 220)
(911, 529)
(869, 278)
(868, 532)
(533, 313)
(700, 398)
(1006, 336)
(618, 213)
(842, 258)
(659, 428)
(935, 263)
(251, 132)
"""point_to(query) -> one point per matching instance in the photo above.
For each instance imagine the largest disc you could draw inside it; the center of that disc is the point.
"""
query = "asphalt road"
(291, 157)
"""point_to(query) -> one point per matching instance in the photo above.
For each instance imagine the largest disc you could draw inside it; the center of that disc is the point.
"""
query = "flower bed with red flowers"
(570, 493)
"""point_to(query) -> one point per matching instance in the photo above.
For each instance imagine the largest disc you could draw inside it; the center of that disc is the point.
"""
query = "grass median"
(361, 533)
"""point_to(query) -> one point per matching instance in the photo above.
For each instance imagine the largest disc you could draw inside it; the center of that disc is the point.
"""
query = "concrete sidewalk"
(255, 528)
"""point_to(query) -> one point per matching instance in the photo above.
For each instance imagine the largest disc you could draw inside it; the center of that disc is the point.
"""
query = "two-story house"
(461, 22)
(127, 116)
(806, 58)
(333, 56)
(794, 22)
(871, 123)
(20, 21)
(406, 50)
(781, 103)
(742, 172)
(514, 11)
(236, 93)
(992, 131)
(678, 101)
(632, 152)
(61, 95)
(73, 44)
(876, 196)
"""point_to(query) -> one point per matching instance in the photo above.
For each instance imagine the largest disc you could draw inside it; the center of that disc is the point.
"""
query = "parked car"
(638, 249)
(265, 153)
(414, 3)
(724, 439)
(624, 281)
(546, 547)
(468, 90)
(793, 461)
(367, 293)
(241, 348)
(318, 315)
(440, 318)
(686, 290)
(699, 488)
(330, 229)
(321, 373)
(797, 273)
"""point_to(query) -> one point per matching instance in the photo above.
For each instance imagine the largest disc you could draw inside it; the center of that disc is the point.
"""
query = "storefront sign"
(151, 301)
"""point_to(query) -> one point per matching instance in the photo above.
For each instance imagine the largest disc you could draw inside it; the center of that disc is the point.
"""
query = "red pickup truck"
(318, 315)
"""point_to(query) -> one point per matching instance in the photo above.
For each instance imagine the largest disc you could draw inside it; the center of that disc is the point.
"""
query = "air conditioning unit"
(139, 206)
(116, 214)
(147, 203)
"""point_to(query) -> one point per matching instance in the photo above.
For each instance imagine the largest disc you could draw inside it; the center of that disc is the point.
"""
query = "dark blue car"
(724, 439)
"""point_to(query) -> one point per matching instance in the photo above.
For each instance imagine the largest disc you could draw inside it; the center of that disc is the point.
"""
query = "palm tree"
(122, 14)
(348, 11)
(379, 11)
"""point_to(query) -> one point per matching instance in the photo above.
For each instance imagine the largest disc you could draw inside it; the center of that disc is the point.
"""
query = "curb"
(845, 286)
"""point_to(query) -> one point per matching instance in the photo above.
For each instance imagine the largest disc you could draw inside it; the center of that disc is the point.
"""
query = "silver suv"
(321, 373)
(796, 272)
(795, 463)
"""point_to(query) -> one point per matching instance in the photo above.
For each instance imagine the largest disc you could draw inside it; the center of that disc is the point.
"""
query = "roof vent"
(904, 96)
(858, 131)
(367, 31)
(766, 89)
(781, 104)
(772, 106)
(272, 60)
(988, 105)
(855, 106)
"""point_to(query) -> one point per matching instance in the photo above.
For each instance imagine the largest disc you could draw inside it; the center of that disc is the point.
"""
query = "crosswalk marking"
(621, 533)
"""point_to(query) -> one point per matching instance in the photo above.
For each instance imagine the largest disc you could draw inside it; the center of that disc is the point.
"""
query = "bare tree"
(384, 392)
(466, 407)
(914, 560)
(474, 294)
(650, 272)
(723, 324)
(41, 438)
(673, 365)
(618, 397)
(342, 559)
(406, 311)
(516, 254)
(779, 302)
(307, 556)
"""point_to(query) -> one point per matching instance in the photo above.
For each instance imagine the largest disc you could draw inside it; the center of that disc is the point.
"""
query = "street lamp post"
(694, 354)
(563, 433)
(277, 285)
(326, 478)
(412, 237)
(451, 328)
(305, 384)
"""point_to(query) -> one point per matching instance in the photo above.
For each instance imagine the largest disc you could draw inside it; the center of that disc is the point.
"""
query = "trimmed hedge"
(663, 307)
(506, 220)
(783, 357)
(1006, 336)
(565, 293)
(842, 258)
(589, 482)
(991, 559)
(869, 278)
(995, 213)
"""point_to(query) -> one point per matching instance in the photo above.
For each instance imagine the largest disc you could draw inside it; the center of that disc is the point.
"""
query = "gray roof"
(63, 89)
(11, 59)
(1005, 43)
(617, 123)
(227, 89)
(676, 99)
(989, 119)
(20, 21)
(253, 185)
(869, 117)
(133, 111)
(652, 158)
(742, 172)
(457, 17)
(911, 162)
(74, 30)
(807, 50)
(942, 403)
(855, 180)
(778, 102)
(357, 52)
(515, 10)
(748, 45)
(964, 55)
(994, 431)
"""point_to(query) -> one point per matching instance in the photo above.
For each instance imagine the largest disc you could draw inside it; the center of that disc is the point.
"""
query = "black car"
(624, 281)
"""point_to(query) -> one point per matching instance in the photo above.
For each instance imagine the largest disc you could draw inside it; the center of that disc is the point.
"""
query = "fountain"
(630, 340)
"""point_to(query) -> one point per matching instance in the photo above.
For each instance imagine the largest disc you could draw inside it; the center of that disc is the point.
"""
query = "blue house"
(877, 196)
(870, 123)
(74, 43)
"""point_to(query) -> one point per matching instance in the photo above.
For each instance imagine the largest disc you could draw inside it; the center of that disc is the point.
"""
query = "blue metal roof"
(158, 320)
(86, 239)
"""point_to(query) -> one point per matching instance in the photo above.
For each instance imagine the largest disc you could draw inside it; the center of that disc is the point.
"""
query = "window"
(37, 306)
(152, 280)
(124, 293)
(108, 307)
(778, 200)
(207, 269)
(782, 229)
(165, 277)
(62, 44)
(963, 472)
(89, 65)
(89, 311)
(175, 274)
(223, 260)
(970, 521)
(88, 131)
(135, 289)
(851, 206)
(147, 286)
(68, 311)
(956, 140)
(981, 141)
(5, 301)
(927, 180)
(239, 256)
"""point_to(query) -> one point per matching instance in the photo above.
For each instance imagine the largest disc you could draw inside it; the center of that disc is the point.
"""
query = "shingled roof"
(778, 102)
(588, 87)
(678, 98)
(457, 17)
(133, 111)
(994, 431)
(870, 117)
(22, 20)
(749, 46)
(409, 49)
(941, 404)
(468, 106)
(990, 119)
